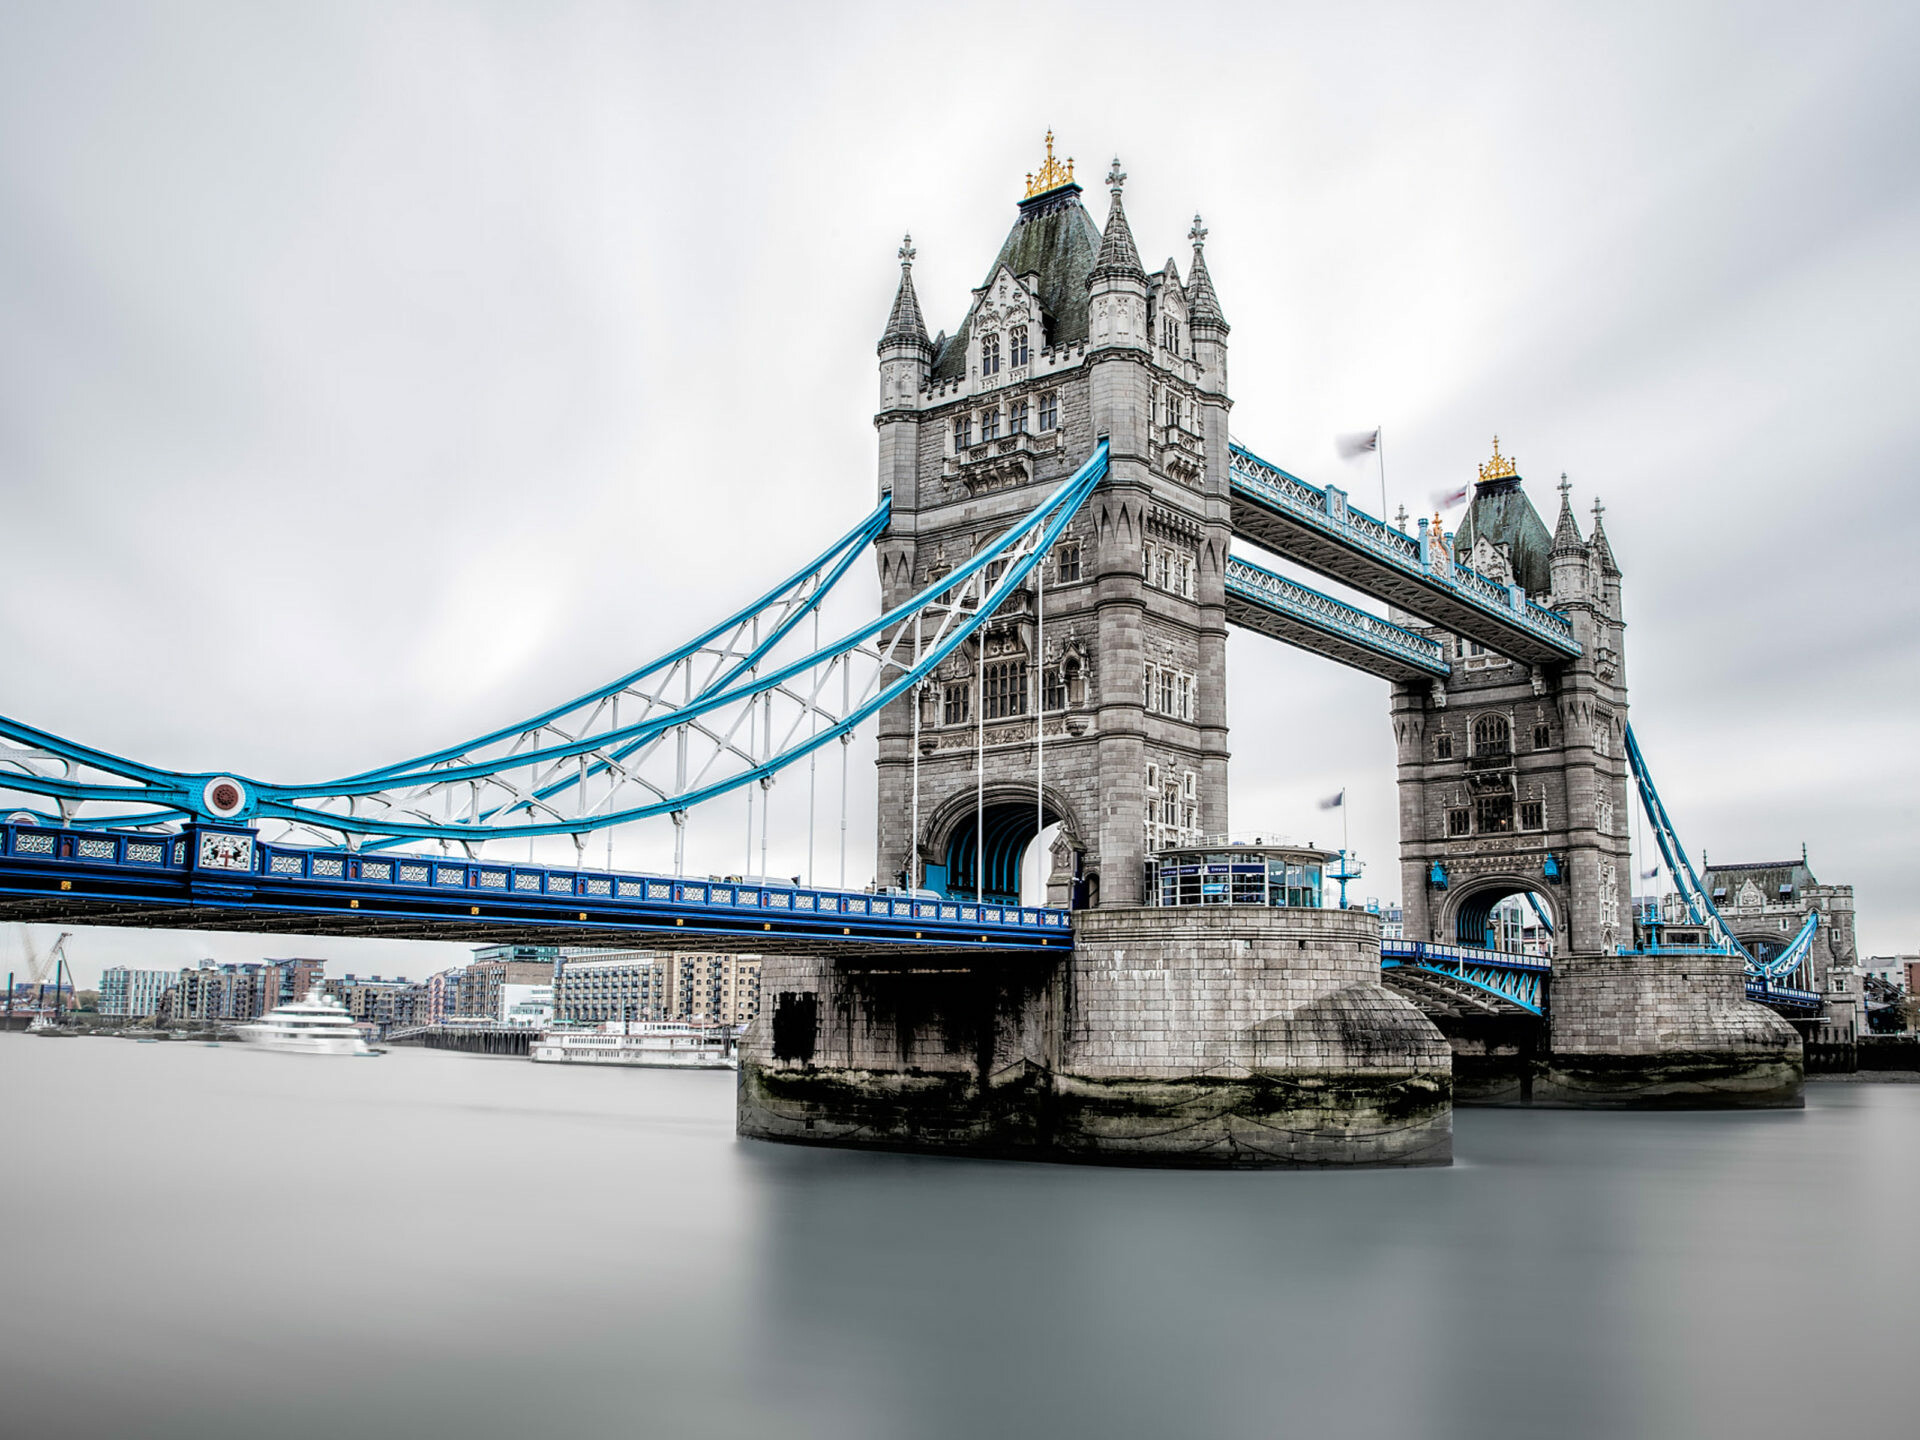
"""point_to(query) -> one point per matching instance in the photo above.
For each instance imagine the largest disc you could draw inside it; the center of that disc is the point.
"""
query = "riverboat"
(317, 1025)
(667, 1045)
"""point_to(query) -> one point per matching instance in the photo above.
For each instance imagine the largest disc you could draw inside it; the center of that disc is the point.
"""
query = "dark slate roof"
(1603, 550)
(1202, 304)
(1767, 875)
(1055, 239)
(905, 322)
(1119, 257)
(1502, 512)
(1566, 533)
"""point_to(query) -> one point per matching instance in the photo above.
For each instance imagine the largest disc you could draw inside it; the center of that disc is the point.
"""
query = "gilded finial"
(907, 252)
(1051, 175)
(1116, 177)
(1501, 467)
(1198, 234)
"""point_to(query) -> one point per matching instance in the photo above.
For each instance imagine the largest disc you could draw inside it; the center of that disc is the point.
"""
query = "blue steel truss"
(1699, 903)
(1517, 979)
(223, 877)
(752, 699)
(1423, 561)
(1375, 645)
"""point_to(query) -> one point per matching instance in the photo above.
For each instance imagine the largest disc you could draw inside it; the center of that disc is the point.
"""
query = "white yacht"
(665, 1044)
(317, 1025)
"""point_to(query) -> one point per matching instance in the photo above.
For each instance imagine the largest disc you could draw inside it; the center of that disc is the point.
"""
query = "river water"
(213, 1241)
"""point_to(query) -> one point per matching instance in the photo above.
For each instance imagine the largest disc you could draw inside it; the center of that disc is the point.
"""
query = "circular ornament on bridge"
(23, 817)
(225, 797)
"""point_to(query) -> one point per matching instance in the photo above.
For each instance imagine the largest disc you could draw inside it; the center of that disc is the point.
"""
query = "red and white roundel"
(224, 796)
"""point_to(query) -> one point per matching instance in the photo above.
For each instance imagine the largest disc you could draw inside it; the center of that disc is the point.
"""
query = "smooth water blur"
(214, 1241)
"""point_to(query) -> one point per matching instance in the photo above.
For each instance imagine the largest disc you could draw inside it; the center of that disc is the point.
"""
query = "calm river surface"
(212, 1241)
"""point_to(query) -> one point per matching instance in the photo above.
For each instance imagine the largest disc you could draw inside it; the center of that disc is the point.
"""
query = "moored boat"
(665, 1044)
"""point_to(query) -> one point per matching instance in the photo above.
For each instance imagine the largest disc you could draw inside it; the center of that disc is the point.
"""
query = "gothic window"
(1146, 563)
(1602, 733)
(1493, 814)
(1173, 408)
(1017, 418)
(1053, 688)
(989, 425)
(1049, 412)
(954, 709)
(1006, 690)
(1183, 577)
(990, 355)
(1492, 735)
(1533, 815)
(1163, 570)
(1170, 333)
(1066, 564)
(1443, 746)
(962, 431)
(1457, 822)
(995, 569)
(1542, 737)
(1017, 352)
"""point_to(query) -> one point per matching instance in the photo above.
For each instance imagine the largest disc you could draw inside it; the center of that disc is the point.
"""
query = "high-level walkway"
(1317, 528)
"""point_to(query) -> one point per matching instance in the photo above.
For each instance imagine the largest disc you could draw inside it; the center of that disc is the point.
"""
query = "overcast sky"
(373, 375)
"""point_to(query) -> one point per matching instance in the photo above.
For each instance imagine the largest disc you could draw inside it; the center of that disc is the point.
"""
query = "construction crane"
(37, 967)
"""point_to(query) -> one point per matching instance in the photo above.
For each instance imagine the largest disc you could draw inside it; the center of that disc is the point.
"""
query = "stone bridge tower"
(1513, 778)
(1067, 340)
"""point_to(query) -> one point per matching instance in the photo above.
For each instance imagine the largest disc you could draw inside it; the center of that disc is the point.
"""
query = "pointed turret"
(1566, 533)
(905, 327)
(1602, 551)
(1119, 257)
(1202, 303)
(1569, 558)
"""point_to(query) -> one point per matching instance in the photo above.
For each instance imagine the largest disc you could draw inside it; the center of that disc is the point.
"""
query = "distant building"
(657, 985)
(135, 994)
(1392, 923)
(296, 977)
(374, 1000)
(438, 997)
(1901, 970)
(1766, 902)
(480, 984)
(526, 1006)
(211, 993)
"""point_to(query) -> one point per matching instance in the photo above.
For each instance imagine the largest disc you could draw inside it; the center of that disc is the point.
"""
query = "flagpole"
(1380, 449)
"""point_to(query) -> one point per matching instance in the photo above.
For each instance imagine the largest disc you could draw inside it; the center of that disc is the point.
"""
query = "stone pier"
(1664, 1031)
(1210, 1037)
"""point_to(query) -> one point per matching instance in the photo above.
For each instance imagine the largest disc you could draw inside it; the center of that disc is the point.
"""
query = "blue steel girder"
(1517, 979)
(1283, 609)
(213, 878)
(1318, 529)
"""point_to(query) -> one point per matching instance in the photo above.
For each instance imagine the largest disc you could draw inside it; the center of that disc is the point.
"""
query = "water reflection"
(228, 1243)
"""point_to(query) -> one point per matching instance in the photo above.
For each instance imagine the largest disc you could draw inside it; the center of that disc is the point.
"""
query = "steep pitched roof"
(1203, 305)
(1055, 240)
(1603, 550)
(1119, 257)
(904, 323)
(1566, 533)
(1503, 514)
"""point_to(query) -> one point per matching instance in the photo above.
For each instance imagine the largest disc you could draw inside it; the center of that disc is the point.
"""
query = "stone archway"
(1467, 916)
(1001, 823)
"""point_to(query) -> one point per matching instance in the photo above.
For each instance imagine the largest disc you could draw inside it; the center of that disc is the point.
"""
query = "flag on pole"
(1447, 499)
(1334, 802)
(1649, 874)
(1360, 442)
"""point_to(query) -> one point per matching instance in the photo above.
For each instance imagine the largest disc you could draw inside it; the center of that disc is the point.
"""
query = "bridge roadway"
(1318, 529)
(225, 878)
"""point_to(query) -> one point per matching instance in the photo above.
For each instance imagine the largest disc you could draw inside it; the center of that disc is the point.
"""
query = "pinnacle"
(1566, 533)
(1119, 257)
(904, 324)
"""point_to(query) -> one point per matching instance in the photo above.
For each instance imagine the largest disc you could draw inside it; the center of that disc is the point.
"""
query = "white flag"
(1360, 442)
(1334, 802)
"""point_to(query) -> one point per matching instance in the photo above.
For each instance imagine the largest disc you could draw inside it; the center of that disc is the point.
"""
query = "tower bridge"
(1058, 505)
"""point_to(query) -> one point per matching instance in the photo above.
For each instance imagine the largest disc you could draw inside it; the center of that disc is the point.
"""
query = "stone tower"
(1067, 340)
(1513, 778)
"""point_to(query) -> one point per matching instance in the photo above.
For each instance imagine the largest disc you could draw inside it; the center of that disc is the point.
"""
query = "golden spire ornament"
(1051, 175)
(1500, 467)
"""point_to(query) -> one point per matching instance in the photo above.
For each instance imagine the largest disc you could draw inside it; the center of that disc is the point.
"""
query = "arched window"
(962, 431)
(1049, 411)
(1018, 354)
(1492, 735)
(990, 355)
(990, 424)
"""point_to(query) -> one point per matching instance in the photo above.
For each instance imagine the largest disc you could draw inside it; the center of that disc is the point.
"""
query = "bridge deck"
(135, 878)
(1282, 609)
(1318, 529)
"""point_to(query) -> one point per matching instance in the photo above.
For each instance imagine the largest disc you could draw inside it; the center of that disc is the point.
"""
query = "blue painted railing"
(1262, 587)
(1267, 484)
(233, 869)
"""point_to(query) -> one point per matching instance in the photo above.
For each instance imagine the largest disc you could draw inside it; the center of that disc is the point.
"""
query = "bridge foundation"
(1659, 1031)
(1208, 1037)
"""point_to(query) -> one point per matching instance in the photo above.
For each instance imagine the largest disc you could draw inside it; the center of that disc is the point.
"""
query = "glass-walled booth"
(1240, 872)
